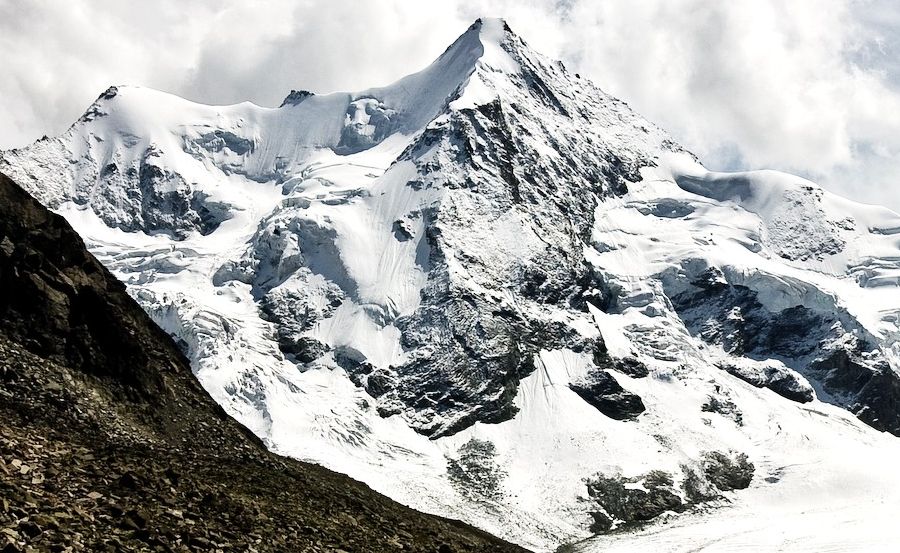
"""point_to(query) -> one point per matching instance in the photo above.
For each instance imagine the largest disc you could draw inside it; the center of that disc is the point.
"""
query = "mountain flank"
(108, 443)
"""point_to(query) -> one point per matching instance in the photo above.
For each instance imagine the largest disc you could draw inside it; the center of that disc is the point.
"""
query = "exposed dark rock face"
(725, 407)
(727, 473)
(778, 379)
(626, 365)
(157, 199)
(109, 443)
(871, 389)
(304, 348)
(631, 367)
(295, 97)
(479, 362)
(668, 208)
(626, 502)
(825, 345)
(633, 504)
(370, 122)
(602, 391)
(376, 382)
(95, 110)
(219, 140)
(474, 470)
(401, 231)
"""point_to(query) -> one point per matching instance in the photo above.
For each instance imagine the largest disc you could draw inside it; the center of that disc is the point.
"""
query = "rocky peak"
(295, 97)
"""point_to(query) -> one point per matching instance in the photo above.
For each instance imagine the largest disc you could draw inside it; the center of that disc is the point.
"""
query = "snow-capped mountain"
(494, 292)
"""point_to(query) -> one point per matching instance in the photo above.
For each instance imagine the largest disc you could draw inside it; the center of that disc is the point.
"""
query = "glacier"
(493, 292)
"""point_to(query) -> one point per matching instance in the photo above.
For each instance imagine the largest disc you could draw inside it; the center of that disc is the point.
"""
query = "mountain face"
(109, 443)
(492, 291)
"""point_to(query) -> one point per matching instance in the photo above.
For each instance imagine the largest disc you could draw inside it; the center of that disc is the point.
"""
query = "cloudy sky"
(807, 86)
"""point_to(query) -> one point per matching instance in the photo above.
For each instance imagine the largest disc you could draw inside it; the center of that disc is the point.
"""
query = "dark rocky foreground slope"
(109, 444)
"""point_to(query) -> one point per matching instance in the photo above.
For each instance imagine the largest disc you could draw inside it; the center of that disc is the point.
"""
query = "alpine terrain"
(108, 443)
(495, 293)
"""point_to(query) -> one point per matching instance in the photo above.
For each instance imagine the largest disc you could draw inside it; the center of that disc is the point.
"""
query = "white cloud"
(752, 84)
(809, 86)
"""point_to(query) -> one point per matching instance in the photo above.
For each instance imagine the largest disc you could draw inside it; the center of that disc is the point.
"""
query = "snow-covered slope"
(494, 292)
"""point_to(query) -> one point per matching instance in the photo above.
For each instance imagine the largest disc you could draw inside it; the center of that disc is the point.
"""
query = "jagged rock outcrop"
(629, 501)
(777, 348)
(601, 390)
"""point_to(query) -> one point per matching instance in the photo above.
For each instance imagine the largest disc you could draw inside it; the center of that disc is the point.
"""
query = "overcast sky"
(808, 86)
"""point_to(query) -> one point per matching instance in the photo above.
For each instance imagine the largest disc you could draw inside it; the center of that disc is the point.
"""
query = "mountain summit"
(495, 292)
